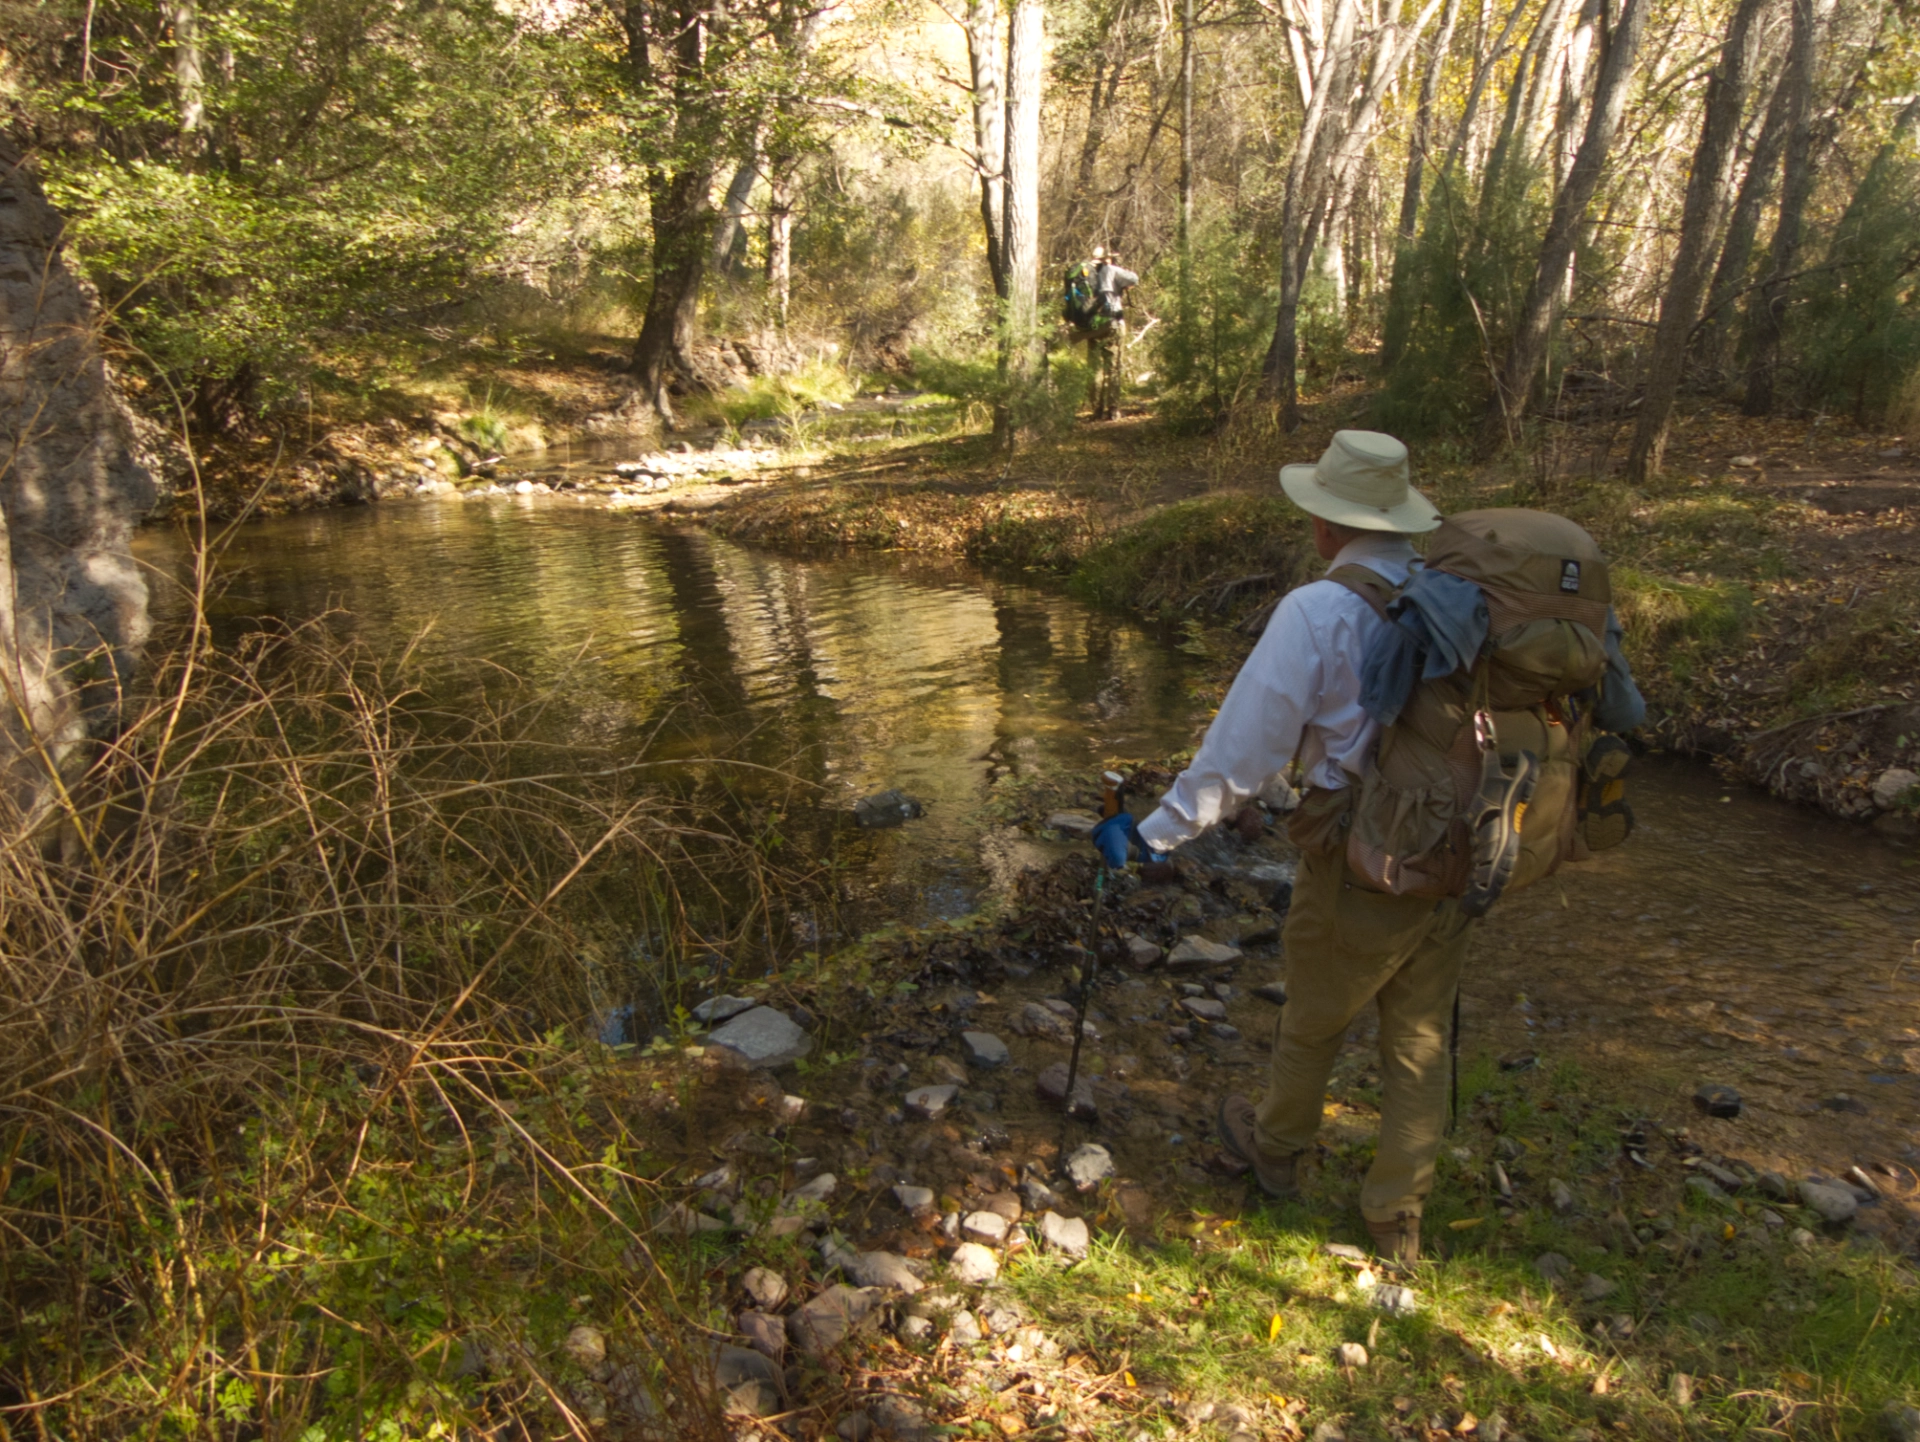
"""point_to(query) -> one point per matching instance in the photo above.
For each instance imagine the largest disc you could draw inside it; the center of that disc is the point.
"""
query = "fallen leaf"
(1273, 1327)
(1465, 1222)
(1128, 1378)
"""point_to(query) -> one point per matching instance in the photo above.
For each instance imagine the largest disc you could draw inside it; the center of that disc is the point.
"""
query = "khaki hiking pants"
(1347, 946)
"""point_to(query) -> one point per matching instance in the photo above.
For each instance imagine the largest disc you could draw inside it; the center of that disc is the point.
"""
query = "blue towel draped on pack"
(1434, 627)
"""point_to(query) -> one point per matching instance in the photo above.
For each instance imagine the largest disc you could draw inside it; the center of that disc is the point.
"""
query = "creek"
(1733, 939)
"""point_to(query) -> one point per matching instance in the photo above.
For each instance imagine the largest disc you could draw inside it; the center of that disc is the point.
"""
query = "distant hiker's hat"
(1099, 252)
(1361, 482)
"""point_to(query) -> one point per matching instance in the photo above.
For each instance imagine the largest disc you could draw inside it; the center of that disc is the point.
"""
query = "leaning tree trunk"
(1021, 248)
(989, 131)
(1528, 350)
(1700, 217)
(73, 605)
(1743, 228)
(1766, 310)
(681, 235)
(780, 241)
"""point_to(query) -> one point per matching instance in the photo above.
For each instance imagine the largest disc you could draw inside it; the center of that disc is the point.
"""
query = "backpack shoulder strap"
(1369, 586)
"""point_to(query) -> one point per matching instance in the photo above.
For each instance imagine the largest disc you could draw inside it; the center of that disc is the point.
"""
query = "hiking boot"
(1397, 1240)
(1606, 818)
(1499, 809)
(1278, 1177)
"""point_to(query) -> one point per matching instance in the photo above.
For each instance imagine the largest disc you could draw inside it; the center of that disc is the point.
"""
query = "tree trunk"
(1021, 247)
(989, 131)
(1529, 348)
(1743, 228)
(734, 209)
(681, 217)
(1700, 216)
(1399, 320)
(1186, 168)
(780, 239)
(183, 17)
(1766, 309)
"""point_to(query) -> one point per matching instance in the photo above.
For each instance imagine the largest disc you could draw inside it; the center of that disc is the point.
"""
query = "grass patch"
(1177, 554)
(1805, 1336)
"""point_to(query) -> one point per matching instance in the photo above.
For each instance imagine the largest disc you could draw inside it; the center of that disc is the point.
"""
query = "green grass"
(1808, 1340)
(1169, 556)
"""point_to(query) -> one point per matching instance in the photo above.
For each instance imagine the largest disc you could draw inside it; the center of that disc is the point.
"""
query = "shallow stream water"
(1734, 939)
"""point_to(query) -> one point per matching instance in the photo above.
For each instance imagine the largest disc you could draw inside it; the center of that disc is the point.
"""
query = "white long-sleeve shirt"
(1298, 692)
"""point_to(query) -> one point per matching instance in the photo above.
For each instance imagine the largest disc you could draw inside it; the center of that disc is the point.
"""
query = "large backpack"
(1082, 308)
(1505, 732)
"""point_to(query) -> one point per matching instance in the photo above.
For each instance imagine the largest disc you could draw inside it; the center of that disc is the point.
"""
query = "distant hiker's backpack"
(1082, 308)
(1474, 788)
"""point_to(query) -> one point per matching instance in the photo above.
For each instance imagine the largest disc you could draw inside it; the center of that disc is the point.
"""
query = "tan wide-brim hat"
(1361, 482)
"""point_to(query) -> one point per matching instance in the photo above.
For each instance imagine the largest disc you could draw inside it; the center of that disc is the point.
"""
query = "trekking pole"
(1453, 1055)
(1112, 798)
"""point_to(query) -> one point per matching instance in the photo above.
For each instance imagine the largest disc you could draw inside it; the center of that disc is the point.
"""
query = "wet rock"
(1067, 1235)
(1090, 1165)
(763, 1037)
(1834, 1203)
(1036, 1020)
(587, 1346)
(766, 1334)
(1051, 1084)
(1142, 955)
(913, 1199)
(964, 1329)
(930, 1102)
(1204, 1007)
(1196, 953)
(829, 1319)
(1073, 823)
(1395, 1301)
(885, 809)
(1038, 1196)
(946, 1069)
(1350, 1354)
(716, 1009)
(972, 1265)
(1892, 785)
(984, 1048)
(1718, 1101)
(987, 1227)
(884, 1269)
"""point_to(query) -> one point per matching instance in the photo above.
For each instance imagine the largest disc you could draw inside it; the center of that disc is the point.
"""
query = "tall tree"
(989, 131)
(1186, 164)
(1743, 229)
(1528, 350)
(1021, 246)
(1766, 308)
(1708, 192)
(1406, 233)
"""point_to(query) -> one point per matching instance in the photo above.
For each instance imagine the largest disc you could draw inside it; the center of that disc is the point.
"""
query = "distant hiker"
(1446, 723)
(1095, 305)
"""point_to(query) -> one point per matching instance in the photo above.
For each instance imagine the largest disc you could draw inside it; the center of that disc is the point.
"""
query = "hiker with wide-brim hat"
(1298, 697)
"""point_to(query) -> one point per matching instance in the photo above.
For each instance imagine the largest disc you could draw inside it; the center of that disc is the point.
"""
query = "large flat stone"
(716, 1009)
(984, 1048)
(1196, 953)
(829, 1319)
(763, 1037)
(1205, 1007)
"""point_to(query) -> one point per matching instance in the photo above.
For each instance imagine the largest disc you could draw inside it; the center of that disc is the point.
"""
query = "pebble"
(1562, 1195)
(1718, 1101)
(1142, 955)
(1345, 1251)
(987, 1227)
(965, 1329)
(587, 1346)
(815, 1191)
(1597, 1287)
(1706, 1187)
(1552, 1266)
(1051, 1084)
(717, 1009)
(763, 1037)
(1224, 1032)
(767, 1287)
(1036, 1020)
(828, 1319)
(738, 1366)
(1833, 1202)
(1350, 1354)
(1196, 953)
(900, 1419)
(1274, 992)
(930, 1102)
(1067, 1235)
(766, 1334)
(972, 1265)
(1800, 1237)
(1204, 1007)
(1038, 1195)
(884, 1269)
(1073, 823)
(855, 1426)
(1680, 1389)
(1395, 1301)
(1892, 784)
(946, 1069)
(1089, 1166)
(913, 1199)
(1007, 1204)
(984, 1048)
(915, 1329)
